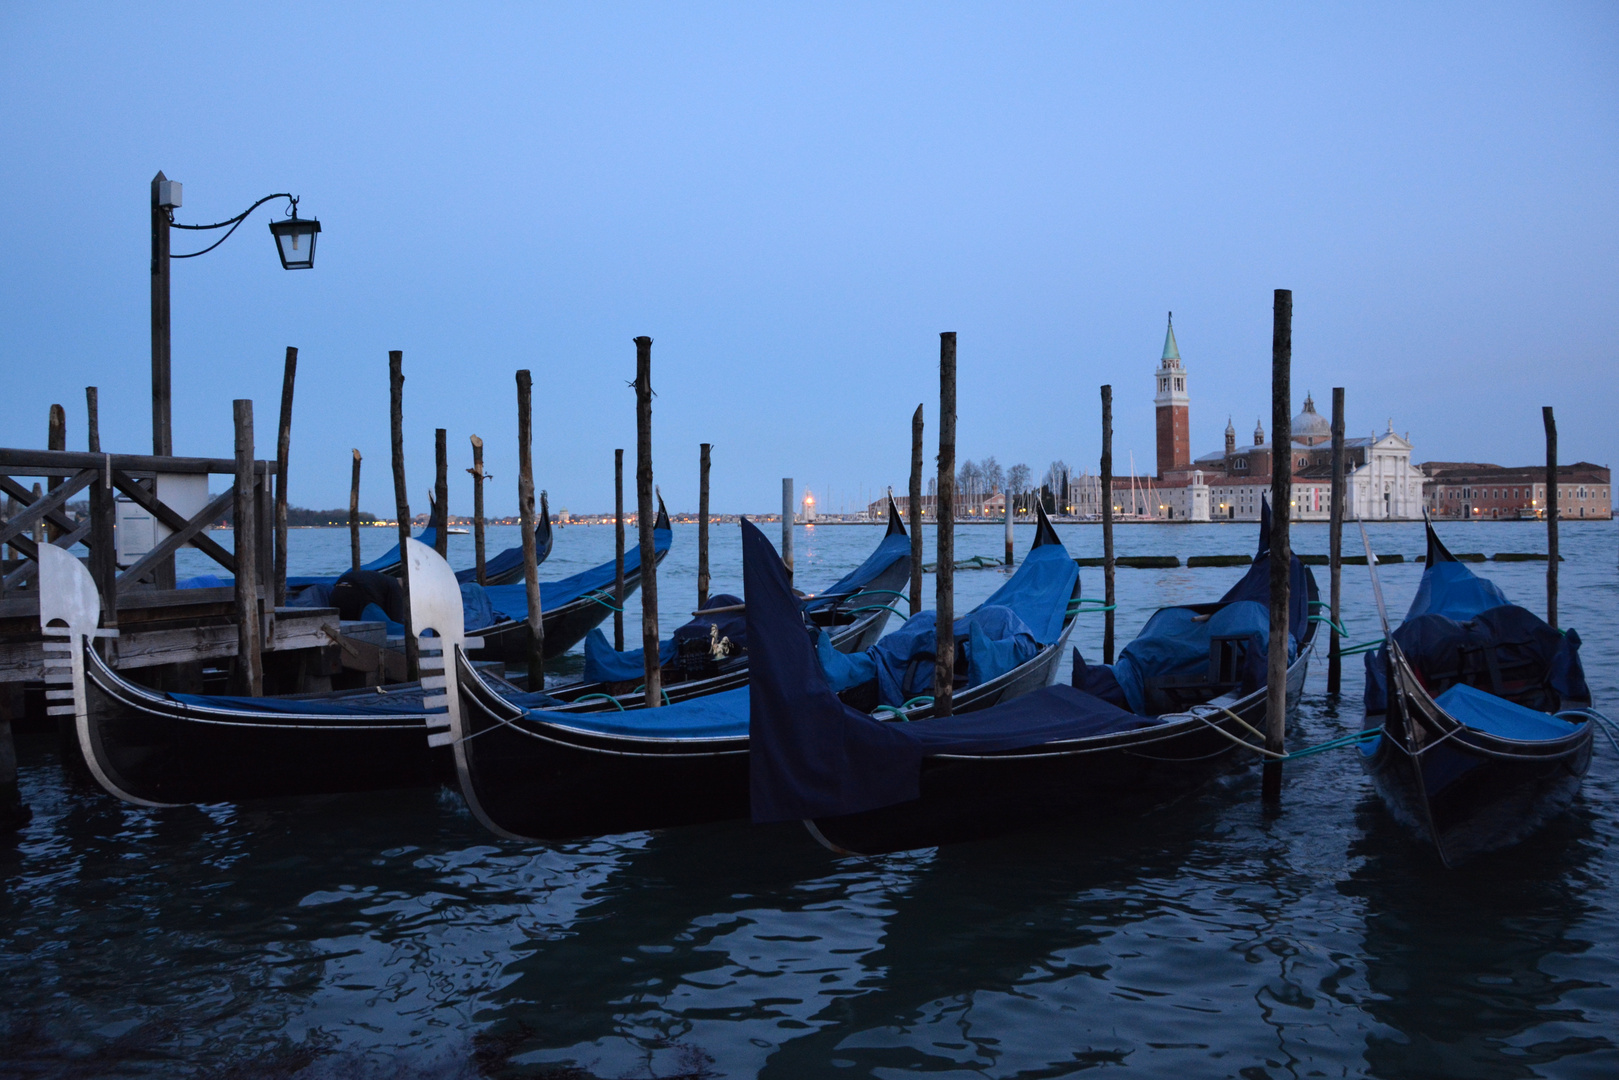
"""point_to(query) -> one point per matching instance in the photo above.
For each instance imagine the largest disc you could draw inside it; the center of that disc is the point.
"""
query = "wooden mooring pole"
(646, 515)
(249, 659)
(1281, 553)
(1006, 498)
(1551, 515)
(914, 511)
(702, 523)
(1335, 543)
(354, 513)
(396, 411)
(441, 491)
(283, 446)
(103, 556)
(525, 511)
(1107, 524)
(477, 509)
(618, 550)
(56, 439)
(944, 558)
(787, 524)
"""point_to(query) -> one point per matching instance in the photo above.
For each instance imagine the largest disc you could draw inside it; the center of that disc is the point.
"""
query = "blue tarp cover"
(1454, 591)
(716, 716)
(603, 663)
(511, 560)
(812, 756)
(1500, 717)
(1004, 631)
(1173, 643)
(512, 600)
(895, 547)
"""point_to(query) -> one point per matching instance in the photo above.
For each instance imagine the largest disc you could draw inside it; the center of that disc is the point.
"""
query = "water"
(388, 935)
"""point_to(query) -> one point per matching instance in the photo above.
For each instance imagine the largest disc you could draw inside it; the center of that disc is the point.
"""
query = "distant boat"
(455, 532)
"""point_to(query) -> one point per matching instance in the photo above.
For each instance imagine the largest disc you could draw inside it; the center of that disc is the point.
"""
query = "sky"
(793, 202)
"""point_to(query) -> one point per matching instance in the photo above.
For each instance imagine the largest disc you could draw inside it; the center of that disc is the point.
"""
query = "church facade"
(1229, 484)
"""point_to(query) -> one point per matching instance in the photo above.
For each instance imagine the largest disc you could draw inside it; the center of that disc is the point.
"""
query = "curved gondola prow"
(70, 608)
(1437, 552)
(543, 536)
(662, 520)
(896, 520)
(1044, 532)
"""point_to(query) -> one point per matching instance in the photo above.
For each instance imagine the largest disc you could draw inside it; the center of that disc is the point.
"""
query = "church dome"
(1310, 427)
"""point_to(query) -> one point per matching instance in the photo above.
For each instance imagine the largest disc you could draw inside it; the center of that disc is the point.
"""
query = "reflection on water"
(386, 934)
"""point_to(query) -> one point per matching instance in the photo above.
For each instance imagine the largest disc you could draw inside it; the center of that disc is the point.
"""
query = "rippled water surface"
(387, 934)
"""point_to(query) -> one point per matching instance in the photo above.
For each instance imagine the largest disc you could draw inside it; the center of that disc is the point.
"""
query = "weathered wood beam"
(47, 507)
(172, 518)
(175, 541)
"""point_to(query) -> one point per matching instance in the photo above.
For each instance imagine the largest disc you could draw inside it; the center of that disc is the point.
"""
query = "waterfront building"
(1229, 483)
(1476, 491)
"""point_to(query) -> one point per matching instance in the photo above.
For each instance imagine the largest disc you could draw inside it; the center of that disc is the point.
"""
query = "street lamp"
(295, 243)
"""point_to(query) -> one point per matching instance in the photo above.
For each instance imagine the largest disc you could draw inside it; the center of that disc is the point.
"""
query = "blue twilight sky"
(793, 201)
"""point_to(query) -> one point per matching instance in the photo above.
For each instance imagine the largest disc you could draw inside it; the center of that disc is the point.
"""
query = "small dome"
(1310, 426)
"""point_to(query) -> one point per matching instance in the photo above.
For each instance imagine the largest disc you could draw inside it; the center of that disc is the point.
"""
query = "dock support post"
(354, 513)
(441, 491)
(525, 510)
(103, 557)
(1281, 552)
(1551, 515)
(1006, 498)
(618, 550)
(646, 516)
(1335, 543)
(914, 511)
(162, 438)
(14, 813)
(249, 661)
(944, 558)
(787, 524)
(1107, 524)
(283, 446)
(477, 510)
(396, 411)
(702, 522)
(56, 440)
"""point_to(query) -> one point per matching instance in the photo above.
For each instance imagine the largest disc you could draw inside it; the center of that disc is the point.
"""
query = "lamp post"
(295, 244)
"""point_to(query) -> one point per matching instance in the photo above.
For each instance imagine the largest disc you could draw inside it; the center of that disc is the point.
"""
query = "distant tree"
(994, 476)
(1056, 473)
(1017, 479)
(968, 480)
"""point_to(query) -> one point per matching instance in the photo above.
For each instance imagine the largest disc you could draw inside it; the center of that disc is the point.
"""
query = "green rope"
(920, 699)
(888, 709)
(662, 692)
(1365, 646)
(1077, 607)
(597, 597)
(1328, 620)
(1354, 739)
(619, 705)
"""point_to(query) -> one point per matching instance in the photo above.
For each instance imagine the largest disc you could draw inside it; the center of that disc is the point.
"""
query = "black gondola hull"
(152, 750)
(974, 797)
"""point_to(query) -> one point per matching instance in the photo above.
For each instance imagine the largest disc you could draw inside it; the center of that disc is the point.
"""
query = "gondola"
(503, 569)
(154, 748)
(571, 607)
(1187, 697)
(1485, 737)
(547, 774)
(709, 654)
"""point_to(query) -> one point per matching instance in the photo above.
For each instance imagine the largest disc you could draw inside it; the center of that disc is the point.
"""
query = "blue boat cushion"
(1506, 650)
(812, 756)
(603, 663)
(844, 670)
(1500, 717)
(1098, 680)
(1174, 647)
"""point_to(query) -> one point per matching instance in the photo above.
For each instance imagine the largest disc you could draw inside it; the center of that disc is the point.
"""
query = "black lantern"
(295, 241)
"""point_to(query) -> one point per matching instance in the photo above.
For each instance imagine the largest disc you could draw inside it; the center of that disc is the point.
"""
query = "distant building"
(1475, 491)
(1380, 482)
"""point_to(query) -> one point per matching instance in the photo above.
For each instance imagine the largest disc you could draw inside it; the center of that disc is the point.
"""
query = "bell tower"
(1174, 436)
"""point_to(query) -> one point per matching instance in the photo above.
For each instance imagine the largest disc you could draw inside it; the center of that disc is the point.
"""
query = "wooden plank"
(48, 462)
(26, 569)
(49, 507)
